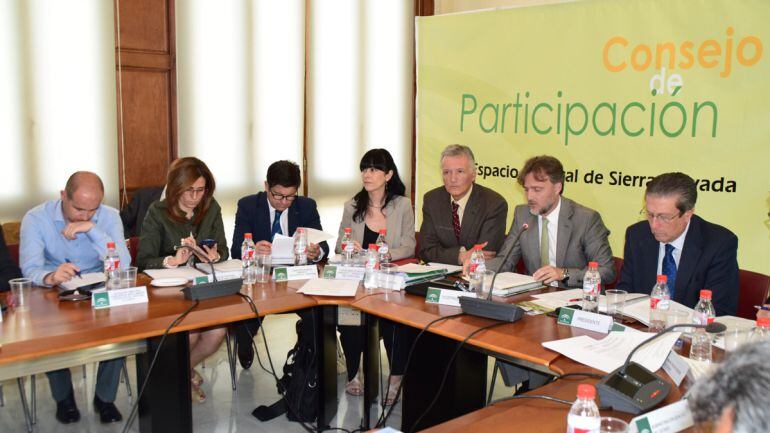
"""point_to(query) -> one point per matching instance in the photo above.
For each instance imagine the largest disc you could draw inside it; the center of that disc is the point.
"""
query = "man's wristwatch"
(565, 271)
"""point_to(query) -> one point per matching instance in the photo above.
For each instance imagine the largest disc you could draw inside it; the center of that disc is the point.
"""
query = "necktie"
(669, 268)
(456, 220)
(544, 259)
(276, 225)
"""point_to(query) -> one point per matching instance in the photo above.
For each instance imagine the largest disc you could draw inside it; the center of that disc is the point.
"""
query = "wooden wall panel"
(146, 77)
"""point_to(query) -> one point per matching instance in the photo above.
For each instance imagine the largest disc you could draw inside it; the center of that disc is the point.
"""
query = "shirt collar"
(464, 199)
(553, 217)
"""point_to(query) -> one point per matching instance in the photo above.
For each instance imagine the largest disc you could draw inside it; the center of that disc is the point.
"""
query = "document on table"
(86, 279)
(732, 323)
(611, 352)
(180, 272)
(641, 310)
(226, 266)
(329, 287)
(449, 268)
(554, 300)
(282, 249)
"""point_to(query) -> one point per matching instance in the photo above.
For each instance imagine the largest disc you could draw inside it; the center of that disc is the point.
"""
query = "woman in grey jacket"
(381, 204)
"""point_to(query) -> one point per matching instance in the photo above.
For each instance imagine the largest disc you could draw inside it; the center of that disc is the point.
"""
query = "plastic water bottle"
(592, 281)
(372, 266)
(700, 345)
(704, 311)
(300, 247)
(584, 415)
(248, 253)
(660, 301)
(112, 267)
(382, 247)
(476, 270)
(762, 331)
(347, 248)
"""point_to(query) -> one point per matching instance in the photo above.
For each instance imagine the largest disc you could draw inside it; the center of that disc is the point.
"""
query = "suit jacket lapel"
(689, 258)
(565, 230)
(263, 217)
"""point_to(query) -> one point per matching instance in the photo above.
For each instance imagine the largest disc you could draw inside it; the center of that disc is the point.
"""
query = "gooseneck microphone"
(635, 389)
(524, 228)
(486, 307)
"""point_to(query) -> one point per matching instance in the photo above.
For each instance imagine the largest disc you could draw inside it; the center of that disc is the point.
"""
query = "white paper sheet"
(449, 268)
(329, 287)
(226, 266)
(181, 272)
(315, 236)
(610, 352)
(84, 280)
(641, 310)
(732, 322)
(282, 248)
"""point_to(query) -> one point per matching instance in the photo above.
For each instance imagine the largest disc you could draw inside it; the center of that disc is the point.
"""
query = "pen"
(575, 300)
(762, 307)
(76, 272)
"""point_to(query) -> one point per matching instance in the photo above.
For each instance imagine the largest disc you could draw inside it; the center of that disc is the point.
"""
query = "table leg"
(371, 365)
(165, 406)
(325, 318)
(464, 390)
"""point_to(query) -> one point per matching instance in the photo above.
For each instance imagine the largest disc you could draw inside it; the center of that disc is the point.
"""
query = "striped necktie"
(276, 225)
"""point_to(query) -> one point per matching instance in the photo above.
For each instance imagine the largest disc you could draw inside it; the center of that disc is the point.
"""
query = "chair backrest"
(753, 290)
(618, 263)
(11, 231)
(133, 247)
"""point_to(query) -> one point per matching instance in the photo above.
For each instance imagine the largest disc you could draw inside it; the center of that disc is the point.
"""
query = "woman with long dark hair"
(380, 204)
(187, 215)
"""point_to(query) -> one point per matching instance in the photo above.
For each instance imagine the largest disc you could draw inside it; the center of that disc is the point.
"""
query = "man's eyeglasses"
(660, 217)
(194, 191)
(282, 196)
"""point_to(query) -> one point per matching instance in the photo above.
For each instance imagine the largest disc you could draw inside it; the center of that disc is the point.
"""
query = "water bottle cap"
(348, 230)
(593, 264)
(586, 391)
(705, 294)
(247, 235)
(763, 322)
(662, 278)
(110, 244)
(383, 232)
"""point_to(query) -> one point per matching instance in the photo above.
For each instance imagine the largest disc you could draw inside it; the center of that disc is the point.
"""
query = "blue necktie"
(276, 225)
(669, 268)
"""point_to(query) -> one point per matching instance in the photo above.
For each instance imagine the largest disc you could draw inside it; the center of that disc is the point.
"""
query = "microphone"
(524, 228)
(214, 289)
(635, 389)
(486, 307)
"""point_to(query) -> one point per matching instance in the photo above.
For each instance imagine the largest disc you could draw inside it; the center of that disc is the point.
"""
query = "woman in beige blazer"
(380, 204)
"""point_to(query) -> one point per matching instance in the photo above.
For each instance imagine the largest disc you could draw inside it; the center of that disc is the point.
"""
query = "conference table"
(57, 334)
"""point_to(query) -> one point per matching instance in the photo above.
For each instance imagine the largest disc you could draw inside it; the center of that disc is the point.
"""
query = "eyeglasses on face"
(660, 217)
(283, 196)
(195, 191)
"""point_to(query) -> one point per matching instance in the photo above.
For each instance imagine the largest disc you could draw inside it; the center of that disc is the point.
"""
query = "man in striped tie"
(694, 253)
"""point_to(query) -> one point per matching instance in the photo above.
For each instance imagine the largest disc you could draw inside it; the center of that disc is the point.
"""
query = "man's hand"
(264, 247)
(62, 274)
(72, 229)
(549, 274)
(313, 251)
(465, 256)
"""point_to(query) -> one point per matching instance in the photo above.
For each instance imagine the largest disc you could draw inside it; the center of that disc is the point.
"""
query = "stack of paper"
(282, 250)
(554, 300)
(181, 272)
(511, 283)
(329, 287)
(611, 352)
(226, 266)
(84, 280)
(414, 273)
(641, 310)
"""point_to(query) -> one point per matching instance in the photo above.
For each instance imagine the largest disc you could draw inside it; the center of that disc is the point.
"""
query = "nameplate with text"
(221, 276)
(355, 273)
(585, 320)
(290, 273)
(103, 298)
(446, 296)
(676, 367)
(668, 419)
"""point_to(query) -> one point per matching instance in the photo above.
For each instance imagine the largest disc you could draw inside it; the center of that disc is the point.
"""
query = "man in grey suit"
(561, 238)
(574, 234)
(461, 213)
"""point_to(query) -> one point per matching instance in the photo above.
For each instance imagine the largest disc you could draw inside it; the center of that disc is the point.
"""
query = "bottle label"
(582, 424)
(654, 303)
(111, 264)
(348, 247)
(383, 249)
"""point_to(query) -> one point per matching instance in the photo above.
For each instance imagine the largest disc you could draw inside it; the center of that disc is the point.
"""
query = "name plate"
(446, 296)
(102, 298)
(668, 419)
(585, 320)
(355, 273)
(676, 367)
(295, 273)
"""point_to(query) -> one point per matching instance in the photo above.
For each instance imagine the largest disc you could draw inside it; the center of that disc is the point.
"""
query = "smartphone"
(92, 286)
(555, 313)
(207, 242)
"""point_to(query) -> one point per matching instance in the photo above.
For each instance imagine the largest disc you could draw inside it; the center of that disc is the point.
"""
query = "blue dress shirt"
(43, 246)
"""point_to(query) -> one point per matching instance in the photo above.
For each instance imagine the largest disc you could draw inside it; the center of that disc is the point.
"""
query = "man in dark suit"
(562, 235)
(134, 212)
(276, 210)
(460, 214)
(694, 253)
(8, 269)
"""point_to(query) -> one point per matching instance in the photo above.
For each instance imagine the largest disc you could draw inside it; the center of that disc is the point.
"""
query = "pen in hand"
(76, 272)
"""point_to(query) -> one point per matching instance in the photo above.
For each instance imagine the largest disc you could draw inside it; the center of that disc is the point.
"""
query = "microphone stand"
(214, 289)
(207, 261)
(486, 307)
